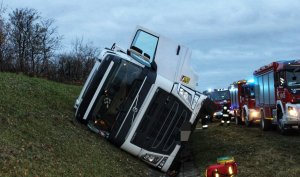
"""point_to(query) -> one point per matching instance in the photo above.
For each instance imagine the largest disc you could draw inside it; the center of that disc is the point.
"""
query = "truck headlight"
(195, 101)
(216, 174)
(162, 163)
(230, 170)
(151, 158)
(254, 114)
(292, 111)
(185, 95)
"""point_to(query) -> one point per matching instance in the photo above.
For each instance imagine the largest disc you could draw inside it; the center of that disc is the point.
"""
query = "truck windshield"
(249, 91)
(293, 78)
(219, 95)
(116, 92)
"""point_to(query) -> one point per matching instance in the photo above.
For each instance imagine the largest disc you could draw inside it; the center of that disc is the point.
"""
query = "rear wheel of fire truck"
(246, 118)
(264, 123)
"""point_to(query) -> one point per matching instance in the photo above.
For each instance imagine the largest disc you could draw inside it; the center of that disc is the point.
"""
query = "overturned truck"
(143, 99)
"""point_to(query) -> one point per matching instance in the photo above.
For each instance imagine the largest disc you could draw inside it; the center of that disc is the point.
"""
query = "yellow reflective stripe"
(269, 118)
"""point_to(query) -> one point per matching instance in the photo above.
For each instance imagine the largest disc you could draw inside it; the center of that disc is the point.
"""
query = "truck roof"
(276, 66)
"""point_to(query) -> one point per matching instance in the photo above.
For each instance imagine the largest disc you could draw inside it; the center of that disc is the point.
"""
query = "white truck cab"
(140, 99)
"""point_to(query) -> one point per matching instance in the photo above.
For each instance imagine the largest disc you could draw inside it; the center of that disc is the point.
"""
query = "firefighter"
(225, 114)
(204, 121)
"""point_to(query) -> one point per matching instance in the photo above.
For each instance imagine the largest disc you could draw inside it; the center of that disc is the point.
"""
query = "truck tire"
(265, 124)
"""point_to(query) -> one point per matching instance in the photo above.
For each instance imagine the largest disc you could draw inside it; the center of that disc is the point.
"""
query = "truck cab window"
(293, 77)
(146, 42)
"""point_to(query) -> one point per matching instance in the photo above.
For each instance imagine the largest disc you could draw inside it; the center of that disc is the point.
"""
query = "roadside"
(258, 153)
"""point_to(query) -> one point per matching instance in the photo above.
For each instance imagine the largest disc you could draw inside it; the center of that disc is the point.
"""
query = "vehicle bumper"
(292, 122)
(292, 114)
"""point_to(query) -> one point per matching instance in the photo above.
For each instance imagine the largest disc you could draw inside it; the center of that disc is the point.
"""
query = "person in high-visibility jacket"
(225, 115)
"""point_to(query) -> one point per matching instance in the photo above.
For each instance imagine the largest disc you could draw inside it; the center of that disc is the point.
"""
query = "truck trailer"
(277, 95)
(143, 99)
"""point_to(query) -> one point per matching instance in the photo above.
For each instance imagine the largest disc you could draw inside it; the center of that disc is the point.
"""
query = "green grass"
(258, 153)
(39, 136)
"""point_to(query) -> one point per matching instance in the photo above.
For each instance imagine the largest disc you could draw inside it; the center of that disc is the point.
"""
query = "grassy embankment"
(39, 137)
(258, 153)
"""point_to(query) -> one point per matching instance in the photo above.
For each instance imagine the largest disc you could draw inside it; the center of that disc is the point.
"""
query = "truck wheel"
(265, 125)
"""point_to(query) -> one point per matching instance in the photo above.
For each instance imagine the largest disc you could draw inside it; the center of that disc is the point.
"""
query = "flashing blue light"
(250, 81)
(209, 90)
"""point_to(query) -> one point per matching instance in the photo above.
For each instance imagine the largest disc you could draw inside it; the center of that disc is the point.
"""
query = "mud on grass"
(258, 153)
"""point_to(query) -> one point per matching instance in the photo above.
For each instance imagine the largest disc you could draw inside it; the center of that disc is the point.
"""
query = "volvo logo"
(135, 109)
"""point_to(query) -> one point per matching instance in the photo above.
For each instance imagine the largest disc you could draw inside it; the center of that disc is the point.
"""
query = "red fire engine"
(277, 94)
(220, 97)
(242, 97)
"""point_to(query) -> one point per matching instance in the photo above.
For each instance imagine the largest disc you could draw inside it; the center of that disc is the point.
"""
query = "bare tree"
(34, 40)
(76, 65)
(50, 41)
(6, 59)
(22, 22)
(81, 54)
(85, 55)
(28, 44)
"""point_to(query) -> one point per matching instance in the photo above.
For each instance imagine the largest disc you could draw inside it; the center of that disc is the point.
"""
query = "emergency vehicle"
(144, 99)
(242, 97)
(220, 97)
(277, 95)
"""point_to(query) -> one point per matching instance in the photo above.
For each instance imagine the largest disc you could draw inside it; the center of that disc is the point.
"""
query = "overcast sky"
(229, 38)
